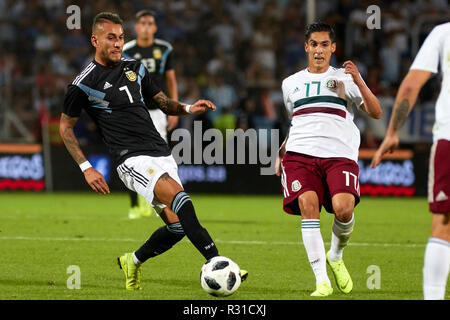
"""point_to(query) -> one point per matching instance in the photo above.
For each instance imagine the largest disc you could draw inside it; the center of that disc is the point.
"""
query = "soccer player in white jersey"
(318, 160)
(434, 51)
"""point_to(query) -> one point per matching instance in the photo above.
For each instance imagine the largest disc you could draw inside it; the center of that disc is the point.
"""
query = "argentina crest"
(131, 75)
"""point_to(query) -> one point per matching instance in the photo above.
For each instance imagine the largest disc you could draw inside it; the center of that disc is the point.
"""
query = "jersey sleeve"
(148, 86)
(169, 62)
(352, 91)
(427, 58)
(287, 102)
(74, 101)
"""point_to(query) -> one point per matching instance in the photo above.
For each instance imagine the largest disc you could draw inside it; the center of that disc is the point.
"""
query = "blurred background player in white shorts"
(157, 57)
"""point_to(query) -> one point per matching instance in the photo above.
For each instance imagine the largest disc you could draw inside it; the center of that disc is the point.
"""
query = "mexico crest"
(296, 186)
(331, 84)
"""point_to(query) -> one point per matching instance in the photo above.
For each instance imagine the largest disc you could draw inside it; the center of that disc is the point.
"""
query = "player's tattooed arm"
(169, 106)
(400, 114)
(66, 125)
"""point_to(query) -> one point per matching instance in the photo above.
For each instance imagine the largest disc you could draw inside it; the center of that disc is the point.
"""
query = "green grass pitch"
(42, 234)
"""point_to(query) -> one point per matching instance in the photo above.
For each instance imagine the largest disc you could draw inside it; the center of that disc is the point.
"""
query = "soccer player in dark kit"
(157, 57)
(113, 90)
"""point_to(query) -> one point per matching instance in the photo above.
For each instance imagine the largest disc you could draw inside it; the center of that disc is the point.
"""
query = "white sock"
(315, 248)
(341, 232)
(435, 269)
(135, 259)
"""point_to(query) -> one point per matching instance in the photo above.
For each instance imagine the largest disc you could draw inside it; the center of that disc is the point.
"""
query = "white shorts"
(141, 173)
(159, 119)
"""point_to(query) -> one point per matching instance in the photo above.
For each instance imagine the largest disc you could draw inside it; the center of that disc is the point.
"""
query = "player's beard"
(110, 62)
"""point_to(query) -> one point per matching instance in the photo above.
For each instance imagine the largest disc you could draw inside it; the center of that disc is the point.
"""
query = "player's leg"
(313, 241)
(437, 258)
(133, 212)
(343, 185)
(437, 252)
(302, 195)
(343, 205)
(144, 207)
(170, 193)
(162, 238)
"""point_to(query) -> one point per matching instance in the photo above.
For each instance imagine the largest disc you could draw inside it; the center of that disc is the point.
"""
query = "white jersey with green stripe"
(322, 109)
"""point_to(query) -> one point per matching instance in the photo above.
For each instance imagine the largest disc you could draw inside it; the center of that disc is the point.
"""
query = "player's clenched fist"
(352, 69)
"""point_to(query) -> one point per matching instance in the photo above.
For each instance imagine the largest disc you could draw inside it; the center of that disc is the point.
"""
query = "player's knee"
(440, 226)
(343, 211)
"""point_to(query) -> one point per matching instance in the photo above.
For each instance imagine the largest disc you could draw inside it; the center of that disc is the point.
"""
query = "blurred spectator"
(222, 94)
(234, 52)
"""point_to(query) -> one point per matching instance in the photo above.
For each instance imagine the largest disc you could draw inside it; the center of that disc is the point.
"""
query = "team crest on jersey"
(331, 84)
(157, 54)
(151, 172)
(296, 186)
(131, 75)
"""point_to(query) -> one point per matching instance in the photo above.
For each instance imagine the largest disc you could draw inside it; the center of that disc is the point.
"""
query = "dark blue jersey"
(115, 98)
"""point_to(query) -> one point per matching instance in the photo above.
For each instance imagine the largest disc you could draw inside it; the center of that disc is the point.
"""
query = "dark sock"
(133, 198)
(160, 241)
(199, 237)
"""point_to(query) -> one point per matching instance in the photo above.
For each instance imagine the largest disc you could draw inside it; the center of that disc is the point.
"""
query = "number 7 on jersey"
(128, 93)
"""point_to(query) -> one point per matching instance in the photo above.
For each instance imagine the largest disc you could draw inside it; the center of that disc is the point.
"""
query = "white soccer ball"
(220, 276)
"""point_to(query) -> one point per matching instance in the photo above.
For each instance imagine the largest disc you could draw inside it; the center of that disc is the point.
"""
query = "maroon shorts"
(439, 177)
(325, 176)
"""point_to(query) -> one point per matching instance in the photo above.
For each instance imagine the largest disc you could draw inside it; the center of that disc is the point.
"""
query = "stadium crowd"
(233, 52)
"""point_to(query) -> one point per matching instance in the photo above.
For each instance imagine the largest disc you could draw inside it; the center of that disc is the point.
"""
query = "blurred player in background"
(434, 51)
(156, 55)
(113, 91)
(318, 159)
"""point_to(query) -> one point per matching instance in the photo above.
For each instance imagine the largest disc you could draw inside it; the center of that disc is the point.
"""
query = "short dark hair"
(319, 27)
(107, 16)
(144, 13)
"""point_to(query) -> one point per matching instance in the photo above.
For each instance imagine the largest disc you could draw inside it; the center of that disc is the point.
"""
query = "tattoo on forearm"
(165, 177)
(72, 144)
(169, 106)
(401, 113)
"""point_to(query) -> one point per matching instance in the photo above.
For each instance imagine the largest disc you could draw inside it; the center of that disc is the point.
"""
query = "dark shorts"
(439, 177)
(325, 176)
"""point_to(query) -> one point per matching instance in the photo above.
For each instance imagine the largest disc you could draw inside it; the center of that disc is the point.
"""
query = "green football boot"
(323, 289)
(243, 274)
(132, 272)
(134, 213)
(343, 280)
(144, 207)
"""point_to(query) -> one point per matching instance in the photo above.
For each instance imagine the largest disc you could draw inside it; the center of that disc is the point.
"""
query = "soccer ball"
(220, 276)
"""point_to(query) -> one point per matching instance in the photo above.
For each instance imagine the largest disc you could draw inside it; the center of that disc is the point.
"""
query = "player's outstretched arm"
(404, 102)
(172, 107)
(94, 178)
